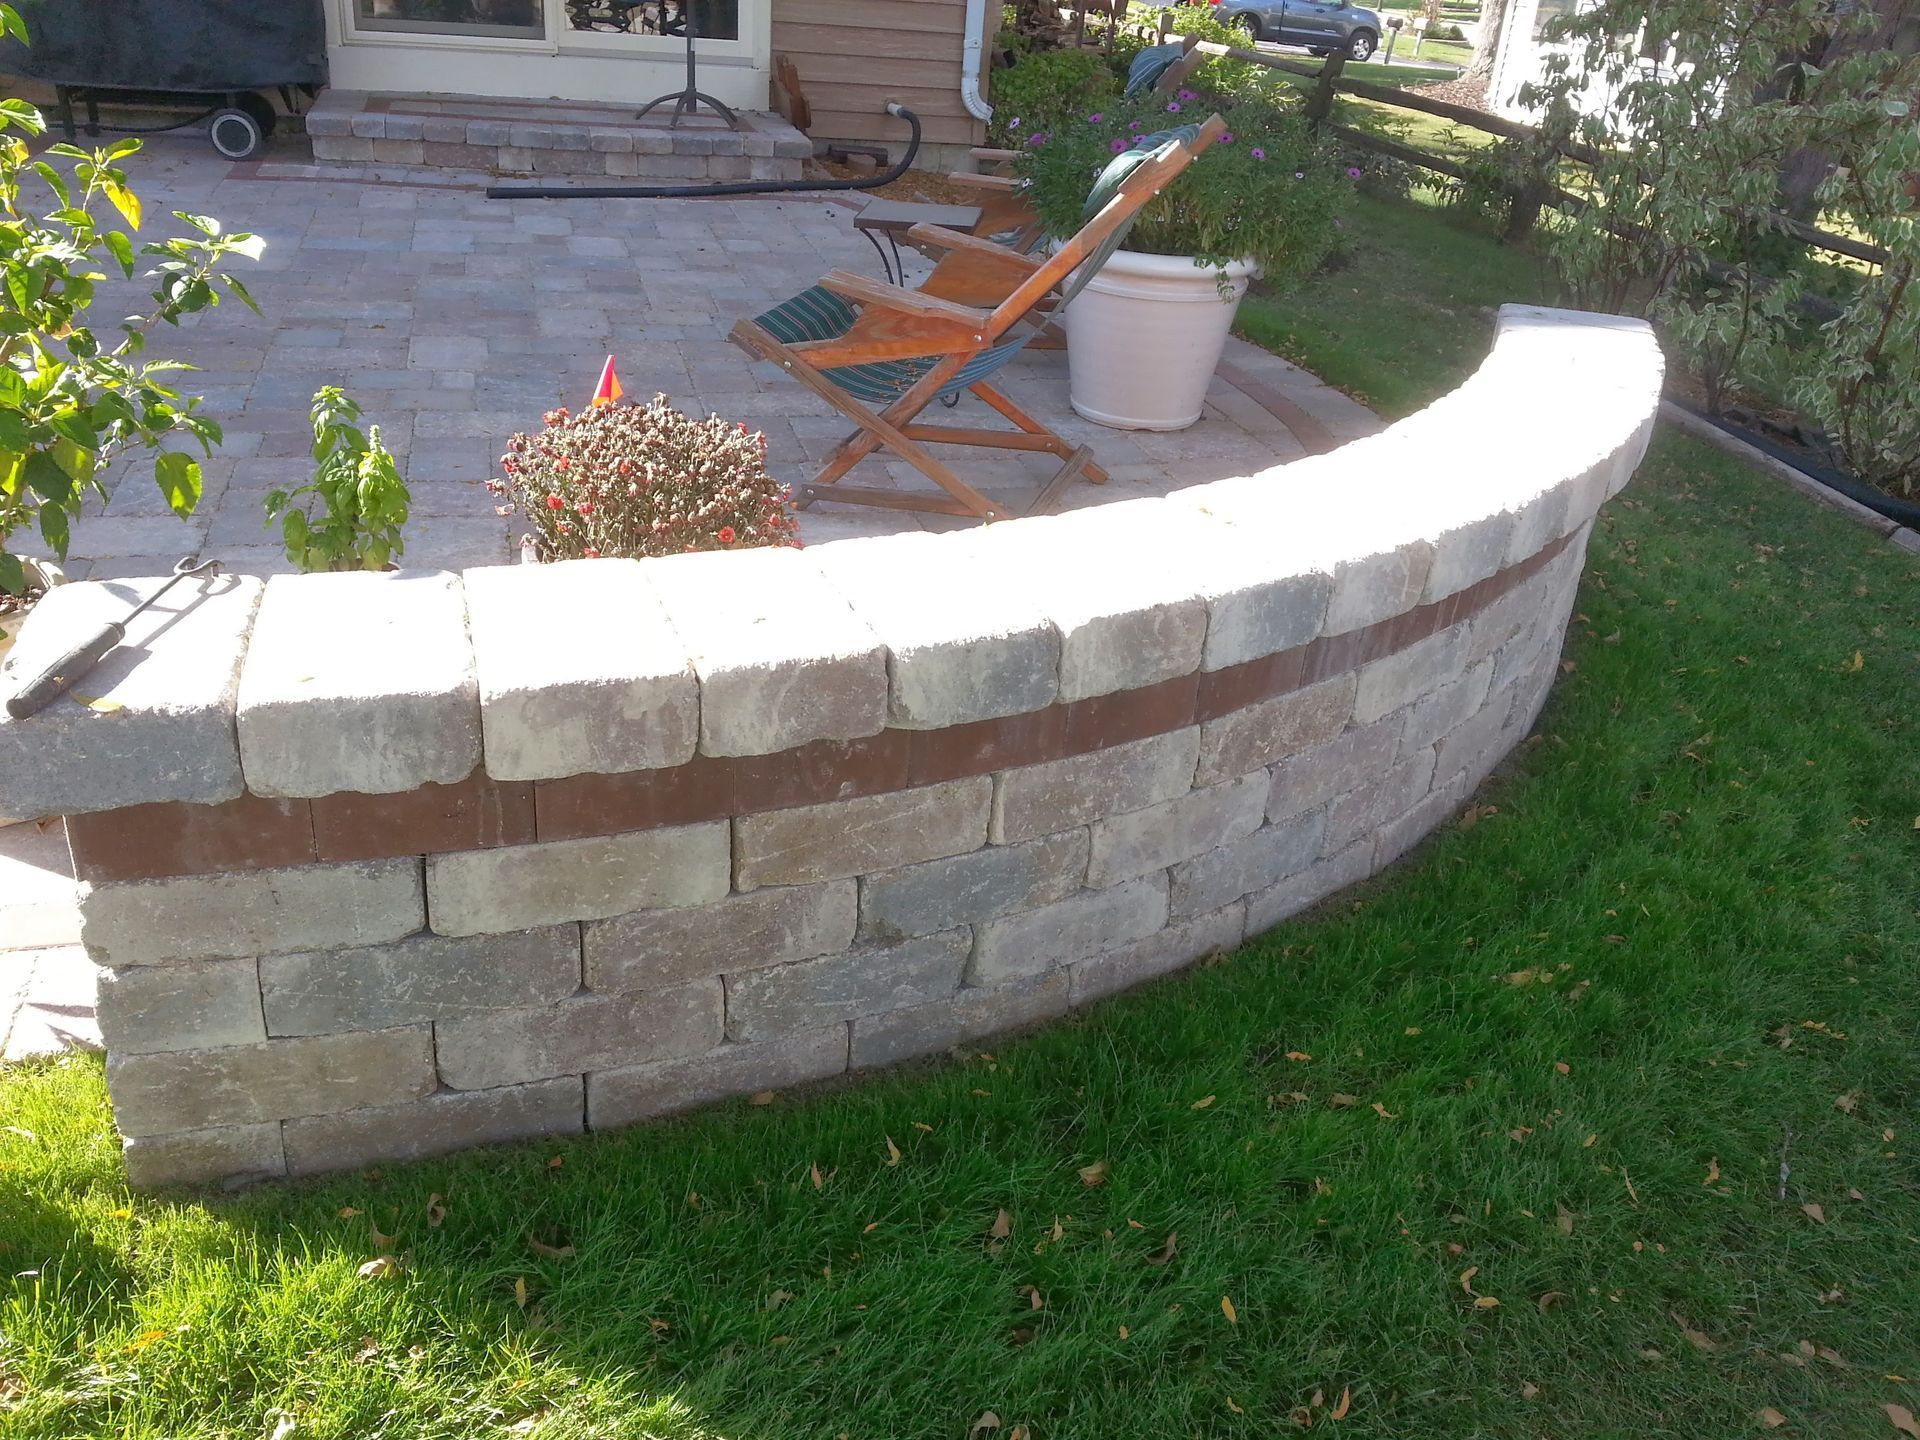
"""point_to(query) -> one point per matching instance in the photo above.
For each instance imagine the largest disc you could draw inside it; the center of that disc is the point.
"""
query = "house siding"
(854, 56)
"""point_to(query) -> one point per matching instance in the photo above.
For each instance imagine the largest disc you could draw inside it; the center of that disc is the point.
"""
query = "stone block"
(489, 132)
(159, 1093)
(248, 913)
(1250, 864)
(781, 658)
(328, 122)
(856, 837)
(1121, 626)
(1090, 923)
(1467, 551)
(161, 727)
(494, 891)
(1376, 586)
(1271, 730)
(446, 130)
(1439, 711)
(1410, 674)
(586, 697)
(1143, 841)
(588, 1032)
(234, 1154)
(534, 137)
(742, 932)
(398, 152)
(1312, 777)
(193, 1006)
(1401, 834)
(972, 1014)
(641, 1092)
(478, 813)
(360, 681)
(1078, 789)
(969, 889)
(1360, 812)
(948, 664)
(610, 139)
(1540, 521)
(808, 994)
(415, 981)
(342, 148)
(1166, 950)
(1470, 752)
(367, 124)
(1267, 908)
(440, 1123)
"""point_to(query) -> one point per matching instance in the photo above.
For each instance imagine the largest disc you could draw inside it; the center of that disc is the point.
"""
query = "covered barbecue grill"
(215, 54)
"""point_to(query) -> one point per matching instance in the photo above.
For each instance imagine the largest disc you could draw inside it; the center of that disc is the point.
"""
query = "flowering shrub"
(1265, 191)
(638, 480)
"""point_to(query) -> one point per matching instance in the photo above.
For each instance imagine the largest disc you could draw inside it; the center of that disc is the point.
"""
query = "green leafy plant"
(362, 500)
(71, 400)
(1266, 191)
(640, 480)
(1043, 84)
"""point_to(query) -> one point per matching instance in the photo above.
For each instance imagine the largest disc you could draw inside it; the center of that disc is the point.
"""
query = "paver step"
(532, 137)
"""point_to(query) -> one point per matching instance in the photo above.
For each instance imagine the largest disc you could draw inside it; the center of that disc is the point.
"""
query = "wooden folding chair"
(859, 343)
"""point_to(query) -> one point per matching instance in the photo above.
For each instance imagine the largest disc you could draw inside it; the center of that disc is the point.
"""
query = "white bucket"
(1144, 336)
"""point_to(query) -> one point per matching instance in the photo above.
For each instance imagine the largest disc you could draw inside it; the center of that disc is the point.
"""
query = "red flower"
(554, 502)
(726, 534)
(591, 553)
(585, 507)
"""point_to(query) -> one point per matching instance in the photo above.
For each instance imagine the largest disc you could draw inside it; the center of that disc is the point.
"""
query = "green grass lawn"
(1633, 1056)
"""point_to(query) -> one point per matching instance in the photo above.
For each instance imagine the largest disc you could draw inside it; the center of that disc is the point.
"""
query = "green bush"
(363, 501)
(1042, 86)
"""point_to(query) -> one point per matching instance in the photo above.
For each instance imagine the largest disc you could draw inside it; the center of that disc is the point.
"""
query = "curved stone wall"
(387, 864)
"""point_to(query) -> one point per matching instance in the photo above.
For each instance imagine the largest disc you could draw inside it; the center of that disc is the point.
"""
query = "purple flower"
(1257, 153)
(1299, 174)
(1038, 138)
(1188, 95)
(1120, 146)
(1226, 137)
(1173, 107)
(1133, 124)
(1096, 117)
(1353, 172)
(1014, 124)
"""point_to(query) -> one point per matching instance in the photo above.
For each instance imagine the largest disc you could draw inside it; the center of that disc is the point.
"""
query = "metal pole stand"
(688, 100)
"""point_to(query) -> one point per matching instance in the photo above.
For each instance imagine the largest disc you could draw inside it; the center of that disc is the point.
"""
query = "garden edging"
(468, 867)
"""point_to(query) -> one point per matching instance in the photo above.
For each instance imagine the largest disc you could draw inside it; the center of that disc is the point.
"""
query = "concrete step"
(553, 137)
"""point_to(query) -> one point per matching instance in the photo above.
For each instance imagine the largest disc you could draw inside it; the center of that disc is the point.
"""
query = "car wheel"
(234, 133)
(1246, 20)
(1360, 45)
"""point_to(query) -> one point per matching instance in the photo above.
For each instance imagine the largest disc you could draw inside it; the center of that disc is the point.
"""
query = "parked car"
(1323, 26)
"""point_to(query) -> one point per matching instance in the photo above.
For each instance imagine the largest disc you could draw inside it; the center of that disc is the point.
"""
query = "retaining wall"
(382, 865)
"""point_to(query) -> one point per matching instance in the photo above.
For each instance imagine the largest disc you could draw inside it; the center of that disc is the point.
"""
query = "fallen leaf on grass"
(1529, 1390)
(1124, 1332)
(923, 1127)
(761, 1097)
(1301, 1416)
(1298, 1056)
(1019, 1432)
(1902, 1420)
(436, 1212)
(819, 1180)
(1771, 1418)
(988, 1422)
(1383, 1112)
(550, 1252)
(1002, 1226)
(1166, 1252)
(1561, 1067)
(1226, 1309)
(893, 1152)
(1339, 1411)
(1857, 664)
(381, 1267)
(1847, 1103)
(1411, 1030)
(778, 1298)
(1096, 1173)
(1699, 1339)
(1519, 1133)
(1340, 1100)
(1233, 1407)
(1058, 1232)
(1814, 1213)
(1563, 1219)
(1550, 1298)
(283, 1429)
(1713, 1171)
(520, 1293)
(557, 1162)
(1034, 1300)
(1466, 1278)
(347, 1212)
(380, 1241)
(1485, 1302)
(1201, 1103)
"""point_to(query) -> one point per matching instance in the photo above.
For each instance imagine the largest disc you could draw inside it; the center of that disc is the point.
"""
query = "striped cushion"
(1150, 64)
(819, 314)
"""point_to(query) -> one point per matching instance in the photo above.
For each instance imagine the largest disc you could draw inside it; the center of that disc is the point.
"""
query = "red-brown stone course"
(153, 841)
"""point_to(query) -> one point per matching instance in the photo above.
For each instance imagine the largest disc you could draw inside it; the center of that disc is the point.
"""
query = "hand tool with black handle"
(73, 667)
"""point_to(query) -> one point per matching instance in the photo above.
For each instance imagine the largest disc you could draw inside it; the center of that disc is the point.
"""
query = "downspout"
(972, 52)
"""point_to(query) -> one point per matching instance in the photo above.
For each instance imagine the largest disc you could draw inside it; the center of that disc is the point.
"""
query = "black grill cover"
(172, 44)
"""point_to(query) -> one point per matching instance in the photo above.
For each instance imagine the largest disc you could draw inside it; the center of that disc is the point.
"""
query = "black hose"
(745, 187)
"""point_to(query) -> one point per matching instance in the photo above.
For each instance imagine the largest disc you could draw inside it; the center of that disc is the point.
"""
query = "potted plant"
(1145, 333)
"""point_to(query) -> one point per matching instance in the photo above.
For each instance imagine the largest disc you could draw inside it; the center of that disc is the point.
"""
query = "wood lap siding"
(856, 55)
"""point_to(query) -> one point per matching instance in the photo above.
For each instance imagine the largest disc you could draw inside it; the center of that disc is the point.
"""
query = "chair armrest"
(869, 291)
(976, 181)
(945, 239)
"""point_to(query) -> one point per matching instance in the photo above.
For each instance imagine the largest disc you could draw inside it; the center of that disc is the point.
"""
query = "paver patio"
(456, 320)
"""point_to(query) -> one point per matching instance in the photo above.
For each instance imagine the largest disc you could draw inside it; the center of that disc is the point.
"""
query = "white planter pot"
(1144, 336)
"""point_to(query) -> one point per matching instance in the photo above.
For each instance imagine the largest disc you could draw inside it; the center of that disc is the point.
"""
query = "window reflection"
(520, 19)
(711, 19)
